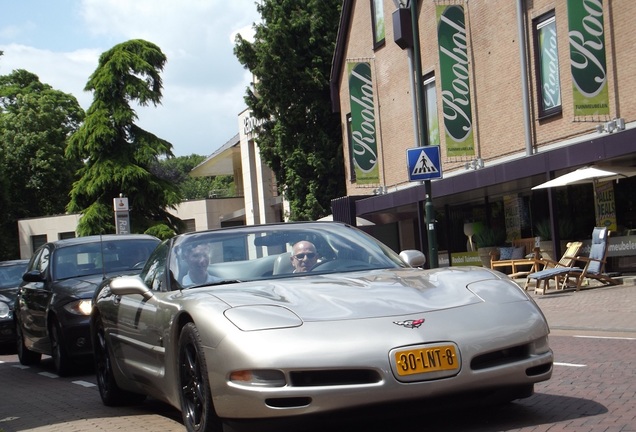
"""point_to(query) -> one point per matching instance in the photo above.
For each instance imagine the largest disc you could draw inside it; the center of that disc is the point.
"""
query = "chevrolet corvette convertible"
(256, 339)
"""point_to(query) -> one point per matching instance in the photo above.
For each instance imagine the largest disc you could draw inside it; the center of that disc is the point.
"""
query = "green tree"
(118, 154)
(177, 170)
(36, 177)
(301, 137)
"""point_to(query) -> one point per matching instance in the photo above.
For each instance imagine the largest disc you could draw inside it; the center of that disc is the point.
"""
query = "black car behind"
(54, 299)
(10, 278)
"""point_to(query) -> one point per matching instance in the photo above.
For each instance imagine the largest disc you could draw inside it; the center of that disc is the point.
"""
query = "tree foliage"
(35, 175)
(118, 154)
(301, 137)
(177, 170)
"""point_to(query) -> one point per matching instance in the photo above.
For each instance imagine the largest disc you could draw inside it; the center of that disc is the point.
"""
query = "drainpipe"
(524, 76)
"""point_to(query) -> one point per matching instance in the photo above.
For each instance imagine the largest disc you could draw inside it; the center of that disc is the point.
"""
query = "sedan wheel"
(196, 399)
(109, 391)
(61, 359)
(26, 356)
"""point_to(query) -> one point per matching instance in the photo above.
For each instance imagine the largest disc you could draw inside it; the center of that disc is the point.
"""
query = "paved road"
(593, 387)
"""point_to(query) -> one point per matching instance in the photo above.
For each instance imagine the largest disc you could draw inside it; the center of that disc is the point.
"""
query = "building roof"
(221, 162)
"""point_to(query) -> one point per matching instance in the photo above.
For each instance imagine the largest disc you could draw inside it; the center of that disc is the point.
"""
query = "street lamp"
(411, 40)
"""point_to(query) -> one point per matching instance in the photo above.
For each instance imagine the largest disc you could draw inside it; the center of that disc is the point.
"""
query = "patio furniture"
(593, 268)
(521, 257)
(547, 269)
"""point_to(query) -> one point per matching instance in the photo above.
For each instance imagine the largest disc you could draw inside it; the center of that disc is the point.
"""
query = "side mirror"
(413, 257)
(125, 285)
(33, 276)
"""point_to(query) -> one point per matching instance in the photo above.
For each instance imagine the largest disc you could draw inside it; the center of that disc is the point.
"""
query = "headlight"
(262, 317)
(79, 307)
(5, 311)
(498, 291)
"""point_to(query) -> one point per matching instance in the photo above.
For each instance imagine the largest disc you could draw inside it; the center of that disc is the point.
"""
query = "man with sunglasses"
(304, 256)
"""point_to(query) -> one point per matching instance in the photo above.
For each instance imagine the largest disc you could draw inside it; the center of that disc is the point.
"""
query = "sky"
(203, 83)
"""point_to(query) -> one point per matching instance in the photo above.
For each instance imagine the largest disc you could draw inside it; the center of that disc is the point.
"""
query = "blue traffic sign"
(424, 163)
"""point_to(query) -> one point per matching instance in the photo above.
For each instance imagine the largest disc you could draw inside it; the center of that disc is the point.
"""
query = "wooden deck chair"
(594, 264)
(548, 270)
(521, 258)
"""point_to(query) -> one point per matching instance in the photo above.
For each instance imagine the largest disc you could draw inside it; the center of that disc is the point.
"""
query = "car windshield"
(11, 274)
(101, 257)
(275, 251)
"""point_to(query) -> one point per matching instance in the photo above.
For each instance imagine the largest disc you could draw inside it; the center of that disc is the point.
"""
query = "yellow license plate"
(424, 360)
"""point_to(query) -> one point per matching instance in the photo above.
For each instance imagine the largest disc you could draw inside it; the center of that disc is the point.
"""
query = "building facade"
(514, 94)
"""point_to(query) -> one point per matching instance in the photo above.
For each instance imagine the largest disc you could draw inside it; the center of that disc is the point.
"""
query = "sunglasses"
(301, 256)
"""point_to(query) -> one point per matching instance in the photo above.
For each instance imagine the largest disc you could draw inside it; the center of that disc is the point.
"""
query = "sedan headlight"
(5, 311)
(79, 307)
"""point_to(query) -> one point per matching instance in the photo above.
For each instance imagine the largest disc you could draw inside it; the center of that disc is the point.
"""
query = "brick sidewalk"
(598, 310)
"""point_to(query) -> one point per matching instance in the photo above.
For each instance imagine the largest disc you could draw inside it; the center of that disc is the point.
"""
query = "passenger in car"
(198, 258)
(304, 256)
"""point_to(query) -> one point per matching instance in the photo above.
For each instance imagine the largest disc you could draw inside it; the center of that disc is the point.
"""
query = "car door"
(33, 299)
(140, 334)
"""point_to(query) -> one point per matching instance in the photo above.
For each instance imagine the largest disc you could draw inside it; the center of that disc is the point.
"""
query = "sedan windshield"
(101, 257)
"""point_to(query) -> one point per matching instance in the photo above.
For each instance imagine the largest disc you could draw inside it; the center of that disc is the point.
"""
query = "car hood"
(361, 294)
(84, 286)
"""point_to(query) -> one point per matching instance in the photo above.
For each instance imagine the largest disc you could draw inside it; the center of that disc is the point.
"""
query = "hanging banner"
(455, 83)
(605, 205)
(587, 57)
(363, 128)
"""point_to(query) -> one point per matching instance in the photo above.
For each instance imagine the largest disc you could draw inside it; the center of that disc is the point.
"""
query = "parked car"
(54, 300)
(257, 339)
(10, 277)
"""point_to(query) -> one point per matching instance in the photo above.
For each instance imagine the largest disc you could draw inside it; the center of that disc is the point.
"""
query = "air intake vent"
(501, 357)
(334, 377)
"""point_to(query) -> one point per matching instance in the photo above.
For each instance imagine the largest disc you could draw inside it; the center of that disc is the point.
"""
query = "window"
(377, 23)
(66, 235)
(37, 241)
(547, 61)
(432, 121)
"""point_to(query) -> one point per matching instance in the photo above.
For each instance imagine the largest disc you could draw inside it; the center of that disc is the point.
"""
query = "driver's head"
(304, 256)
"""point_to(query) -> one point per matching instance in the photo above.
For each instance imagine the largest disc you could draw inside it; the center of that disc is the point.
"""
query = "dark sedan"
(10, 278)
(54, 299)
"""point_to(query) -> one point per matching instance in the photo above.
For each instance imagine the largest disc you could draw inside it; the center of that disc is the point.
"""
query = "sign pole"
(429, 209)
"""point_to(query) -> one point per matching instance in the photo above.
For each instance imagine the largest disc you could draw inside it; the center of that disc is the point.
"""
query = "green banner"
(587, 57)
(455, 83)
(363, 128)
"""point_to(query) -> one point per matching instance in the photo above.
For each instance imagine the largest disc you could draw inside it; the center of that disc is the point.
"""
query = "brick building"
(514, 93)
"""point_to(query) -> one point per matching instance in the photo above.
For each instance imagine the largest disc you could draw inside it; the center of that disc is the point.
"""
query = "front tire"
(195, 396)
(25, 355)
(109, 391)
(61, 359)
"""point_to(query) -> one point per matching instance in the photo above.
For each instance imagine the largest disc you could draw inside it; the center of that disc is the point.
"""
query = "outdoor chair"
(547, 269)
(593, 268)
(594, 264)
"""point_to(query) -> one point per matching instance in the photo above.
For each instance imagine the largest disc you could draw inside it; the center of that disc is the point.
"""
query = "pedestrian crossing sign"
(424, 163)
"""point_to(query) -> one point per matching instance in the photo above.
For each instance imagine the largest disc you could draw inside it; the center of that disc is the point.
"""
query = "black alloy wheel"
(109, 391)
(61, 359)
(196, 399)
(25, 355)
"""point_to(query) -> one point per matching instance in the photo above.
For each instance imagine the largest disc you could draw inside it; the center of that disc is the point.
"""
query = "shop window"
(432, 120)
(377, 23)
(547, 65)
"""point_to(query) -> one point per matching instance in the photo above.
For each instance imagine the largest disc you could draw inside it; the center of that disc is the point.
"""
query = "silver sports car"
(227, 324)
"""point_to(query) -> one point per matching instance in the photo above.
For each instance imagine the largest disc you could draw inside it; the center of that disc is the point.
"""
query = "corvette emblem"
(410, 323)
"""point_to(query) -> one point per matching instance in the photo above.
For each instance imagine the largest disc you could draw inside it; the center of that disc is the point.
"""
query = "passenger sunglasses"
(301, 256)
